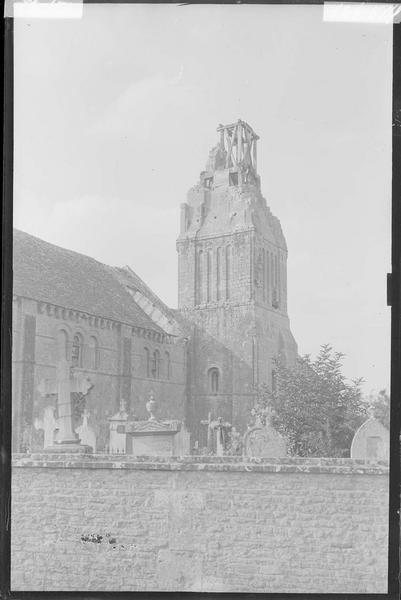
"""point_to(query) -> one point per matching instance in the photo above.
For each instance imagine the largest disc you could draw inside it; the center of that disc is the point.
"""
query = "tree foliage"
(379, 407)
(313, 405)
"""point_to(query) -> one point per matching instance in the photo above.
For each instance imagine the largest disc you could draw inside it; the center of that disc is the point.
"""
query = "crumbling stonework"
(232, 283)
(201, 524)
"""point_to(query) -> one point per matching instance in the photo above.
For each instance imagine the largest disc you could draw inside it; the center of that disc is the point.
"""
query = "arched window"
(228, 271)
(264, 274)
(93, 353)
(156, 364)
(272, 269)
(284, 284)
(218, 260)
(214, 380)
(76, 353)
(62, 345)
(279, 262)
(147, 361)
(168, 365)
(200, 277)
(208, 275)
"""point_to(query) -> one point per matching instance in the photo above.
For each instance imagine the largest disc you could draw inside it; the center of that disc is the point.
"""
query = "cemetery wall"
(199, 524)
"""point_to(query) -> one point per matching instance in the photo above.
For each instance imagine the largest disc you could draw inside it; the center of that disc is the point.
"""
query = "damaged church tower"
(232, 283)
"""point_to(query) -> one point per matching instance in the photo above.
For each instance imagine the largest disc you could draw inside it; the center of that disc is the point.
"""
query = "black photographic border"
(394, 300)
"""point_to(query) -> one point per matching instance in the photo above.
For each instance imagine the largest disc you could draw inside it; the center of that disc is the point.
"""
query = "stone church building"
(207, 356)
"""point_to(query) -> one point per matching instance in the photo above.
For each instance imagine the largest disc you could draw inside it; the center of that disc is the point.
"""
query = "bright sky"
(115, 114)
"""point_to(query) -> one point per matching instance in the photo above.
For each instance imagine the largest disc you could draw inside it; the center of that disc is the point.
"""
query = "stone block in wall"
(179, 570)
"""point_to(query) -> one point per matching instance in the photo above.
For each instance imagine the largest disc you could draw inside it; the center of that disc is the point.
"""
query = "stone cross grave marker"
(67, 382)
(220, 428)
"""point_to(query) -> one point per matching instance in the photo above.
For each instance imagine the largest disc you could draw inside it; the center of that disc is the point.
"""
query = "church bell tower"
(232, 282)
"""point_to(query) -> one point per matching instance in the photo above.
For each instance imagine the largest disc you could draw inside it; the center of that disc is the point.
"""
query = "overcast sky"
(115, 114)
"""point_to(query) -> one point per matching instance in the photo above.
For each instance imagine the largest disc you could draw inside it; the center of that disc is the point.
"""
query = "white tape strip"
(361, 12)
(32, 9)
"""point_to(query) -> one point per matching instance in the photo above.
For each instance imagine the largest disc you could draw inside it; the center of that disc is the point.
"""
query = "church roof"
(49, 273)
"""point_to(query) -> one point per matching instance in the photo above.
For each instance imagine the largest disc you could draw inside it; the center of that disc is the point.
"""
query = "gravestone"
(371, 441)
(221, 428)
(49, 425)
(118, 437)
(217, 434)
(68, 381)
(208, 422)
(85, 432)
(265, 442)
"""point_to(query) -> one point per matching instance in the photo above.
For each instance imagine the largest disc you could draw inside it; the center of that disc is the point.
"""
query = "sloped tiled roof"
(46, 272)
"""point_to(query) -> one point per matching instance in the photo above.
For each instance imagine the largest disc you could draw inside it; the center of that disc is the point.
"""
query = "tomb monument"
(153, 437)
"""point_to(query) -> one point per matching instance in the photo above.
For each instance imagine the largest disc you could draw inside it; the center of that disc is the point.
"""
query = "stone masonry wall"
(121, 371)
(199, 524)
(232, 288)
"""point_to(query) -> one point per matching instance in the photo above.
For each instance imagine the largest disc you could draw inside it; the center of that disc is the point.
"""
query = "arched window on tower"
(168, 365)
(76, 352)
(200, 278)
(263, 274)
(279, 278)
(267, 274)
(272, 270)
(214, 380)
(62, 345)
(156, 365)
(218, 266)
(147, 362)
(93, 353)
(284, 284)
(228, 271)
(275, 291)
(208, 276)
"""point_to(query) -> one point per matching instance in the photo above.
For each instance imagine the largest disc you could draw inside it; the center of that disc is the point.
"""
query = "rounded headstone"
(371, 441)
(264, 442)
